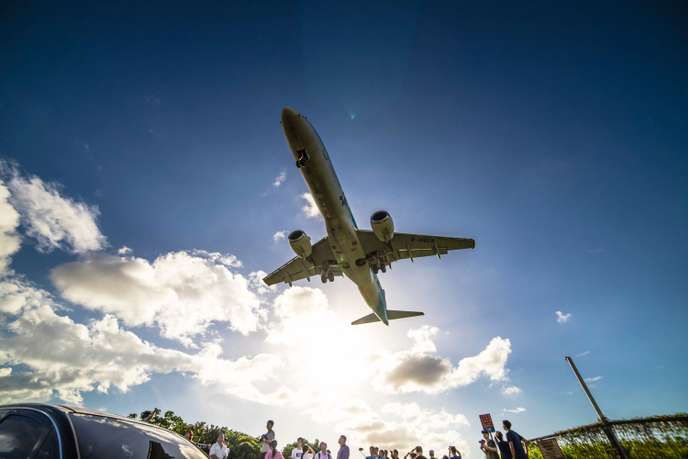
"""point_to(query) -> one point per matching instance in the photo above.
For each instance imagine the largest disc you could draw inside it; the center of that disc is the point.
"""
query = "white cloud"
(562, 317)
(101, 355)
(392, 425)
(517, 410)
(279, 236)
(9, 221)
(511, 391)
(4, 372)
(280, 179)
(53, 220)
(297, 302)
(15, 294)
(593, 379)
(404, 425)
(387, 425)
(255, 282)
(420, 370)
(124, 250)
(297, 309)
(181, 292)
(583, 354)
(310, 209)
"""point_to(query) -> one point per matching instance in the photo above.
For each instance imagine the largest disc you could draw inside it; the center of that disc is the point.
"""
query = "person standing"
(503, 446)
(266, 439)
(419, 452)
(488, 446)
(343, 452)
(323, 453)
(308, 452)
(517, 444)
(297, 452)
(219, 450)
(454, 453)
(273, 452)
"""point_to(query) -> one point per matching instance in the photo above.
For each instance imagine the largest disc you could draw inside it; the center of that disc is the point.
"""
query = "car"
(44, 431)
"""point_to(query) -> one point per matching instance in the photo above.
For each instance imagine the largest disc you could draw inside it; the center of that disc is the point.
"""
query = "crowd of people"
(507, 445)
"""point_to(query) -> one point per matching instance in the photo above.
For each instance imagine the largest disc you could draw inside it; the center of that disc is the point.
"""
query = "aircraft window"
(21, 435)
(101, 437)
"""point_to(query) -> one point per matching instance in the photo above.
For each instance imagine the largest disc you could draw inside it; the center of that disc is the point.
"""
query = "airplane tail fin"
(391, 315)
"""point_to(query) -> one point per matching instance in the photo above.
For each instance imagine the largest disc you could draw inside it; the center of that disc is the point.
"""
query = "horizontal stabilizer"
(391, 315)
(366, 320)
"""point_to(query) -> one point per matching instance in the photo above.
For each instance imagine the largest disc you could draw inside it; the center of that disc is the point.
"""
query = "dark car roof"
(59, 413)
(65, 409)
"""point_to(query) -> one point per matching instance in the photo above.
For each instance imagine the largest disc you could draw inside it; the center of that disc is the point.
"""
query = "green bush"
(660, 437)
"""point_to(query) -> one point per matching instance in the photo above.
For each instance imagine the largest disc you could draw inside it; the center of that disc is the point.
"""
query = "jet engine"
(300, 243)
(382, 225)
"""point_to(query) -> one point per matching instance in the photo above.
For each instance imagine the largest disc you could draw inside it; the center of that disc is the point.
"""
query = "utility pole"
(606, 426)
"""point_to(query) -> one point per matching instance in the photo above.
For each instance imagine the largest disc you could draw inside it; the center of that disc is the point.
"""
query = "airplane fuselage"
(316, 167)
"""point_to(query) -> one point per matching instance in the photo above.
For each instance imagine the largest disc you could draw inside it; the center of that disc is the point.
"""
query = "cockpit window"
(109, 438)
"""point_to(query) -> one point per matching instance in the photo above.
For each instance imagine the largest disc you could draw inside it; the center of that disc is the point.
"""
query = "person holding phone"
(488, 446)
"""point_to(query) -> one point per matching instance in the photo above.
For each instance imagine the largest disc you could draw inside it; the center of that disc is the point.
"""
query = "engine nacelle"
(300, 243)
(382, 225)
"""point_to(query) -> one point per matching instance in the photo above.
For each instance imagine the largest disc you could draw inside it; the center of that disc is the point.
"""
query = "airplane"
(347, 250)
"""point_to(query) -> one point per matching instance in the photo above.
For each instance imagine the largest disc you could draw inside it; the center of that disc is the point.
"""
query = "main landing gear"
(326, 276)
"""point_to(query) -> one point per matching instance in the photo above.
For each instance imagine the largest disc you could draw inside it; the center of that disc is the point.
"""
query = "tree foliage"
(660, 437)
(242, 446)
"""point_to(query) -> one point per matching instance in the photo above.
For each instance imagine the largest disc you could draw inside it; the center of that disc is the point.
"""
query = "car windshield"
(104, 438)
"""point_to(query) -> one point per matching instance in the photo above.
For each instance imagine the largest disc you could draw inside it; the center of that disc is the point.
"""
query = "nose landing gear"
(301, 158)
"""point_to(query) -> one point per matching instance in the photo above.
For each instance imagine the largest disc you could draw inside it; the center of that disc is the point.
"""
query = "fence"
(661, 437)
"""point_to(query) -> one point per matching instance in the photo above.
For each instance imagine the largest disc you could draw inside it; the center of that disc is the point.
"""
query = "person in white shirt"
(323, 453)
(219, 450)
(297, 452)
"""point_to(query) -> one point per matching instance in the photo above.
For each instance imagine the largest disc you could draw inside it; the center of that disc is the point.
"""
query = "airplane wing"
(300, 268)
(403, 246)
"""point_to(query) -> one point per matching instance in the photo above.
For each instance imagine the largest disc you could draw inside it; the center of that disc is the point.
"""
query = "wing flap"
(406, 245)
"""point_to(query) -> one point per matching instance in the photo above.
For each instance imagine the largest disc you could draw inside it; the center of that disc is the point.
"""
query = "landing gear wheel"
(302, 158)
(330, 277)
(383, 268)
(323, 279)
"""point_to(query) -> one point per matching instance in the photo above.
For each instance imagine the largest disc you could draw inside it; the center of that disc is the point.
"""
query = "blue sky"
(554, 135)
